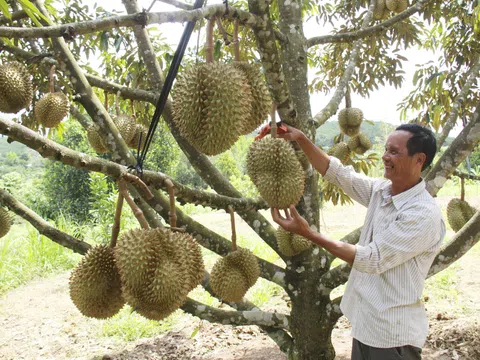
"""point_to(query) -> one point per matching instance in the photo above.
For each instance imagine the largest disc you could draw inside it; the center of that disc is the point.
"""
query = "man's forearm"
(344, 251)
(319, 159)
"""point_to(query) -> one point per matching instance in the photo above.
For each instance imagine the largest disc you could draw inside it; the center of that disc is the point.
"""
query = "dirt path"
(38, 321)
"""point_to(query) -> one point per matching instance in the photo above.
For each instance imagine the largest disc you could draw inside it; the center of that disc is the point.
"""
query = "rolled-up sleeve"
(415, 231)
(358, 186)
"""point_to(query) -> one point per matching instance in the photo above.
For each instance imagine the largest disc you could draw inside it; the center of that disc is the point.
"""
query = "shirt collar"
(401, 199)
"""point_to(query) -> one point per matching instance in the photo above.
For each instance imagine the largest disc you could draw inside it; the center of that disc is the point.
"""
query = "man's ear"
(421, 158)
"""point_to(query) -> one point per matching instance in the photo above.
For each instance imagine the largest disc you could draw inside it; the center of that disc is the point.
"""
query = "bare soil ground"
(39, 321)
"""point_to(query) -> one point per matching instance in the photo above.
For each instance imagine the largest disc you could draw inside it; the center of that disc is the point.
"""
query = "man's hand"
(292, 134)
(292, 221)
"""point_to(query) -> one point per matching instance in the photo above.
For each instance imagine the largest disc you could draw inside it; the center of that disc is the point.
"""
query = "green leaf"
(216, 51)
(195, 331)
(32, 12)
(5, 10)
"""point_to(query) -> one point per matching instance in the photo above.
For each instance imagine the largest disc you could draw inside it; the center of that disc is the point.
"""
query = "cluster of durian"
(215, 103)
(458, 213)
(383, 7)
(276, 171)
(291, 244)
(16, 88)
(4, 222)
(158, 268)
(349, 121)
(151, 270)
(128, 129)
(233, 274)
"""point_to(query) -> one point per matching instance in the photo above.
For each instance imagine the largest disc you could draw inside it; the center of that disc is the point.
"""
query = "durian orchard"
(252, 69)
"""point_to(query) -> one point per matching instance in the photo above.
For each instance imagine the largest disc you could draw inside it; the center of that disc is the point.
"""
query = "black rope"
(172, 73)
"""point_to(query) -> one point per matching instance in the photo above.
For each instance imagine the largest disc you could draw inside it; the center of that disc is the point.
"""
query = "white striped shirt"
(398, 243)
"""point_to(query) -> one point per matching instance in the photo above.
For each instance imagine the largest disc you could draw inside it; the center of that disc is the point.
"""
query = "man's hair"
(422, 141)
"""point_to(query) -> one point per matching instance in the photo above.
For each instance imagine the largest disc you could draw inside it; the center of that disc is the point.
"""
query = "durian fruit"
(349, 120)
(260, 100)
(15, 87)
(341, 151)
(158, 269)
(139, 129)
(51, 109)
(95, 286)
(126, 125)
(291, 244)
(206, 106)
(380, 11)
(396, 5)
(95, 140)
(4, 222)
(276, 171)
(458, 213)
(360, 143)
(233, 274)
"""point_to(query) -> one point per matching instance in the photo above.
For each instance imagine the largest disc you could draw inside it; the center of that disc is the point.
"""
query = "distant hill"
(377, 131)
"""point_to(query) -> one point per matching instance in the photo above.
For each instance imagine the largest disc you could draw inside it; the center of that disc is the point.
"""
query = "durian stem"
(136, 180)
(209, 44)
(236, 42)
(117, 105)
(234, 233)
(172, 214)
(223, 31)
(273, 122)
(122, 187)
(51, 79)
(348, 99)
(116, 222)
(462, 189)
(133, 110)
(106, 100)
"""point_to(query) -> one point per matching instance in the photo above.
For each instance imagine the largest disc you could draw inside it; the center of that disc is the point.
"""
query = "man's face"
(399, 166)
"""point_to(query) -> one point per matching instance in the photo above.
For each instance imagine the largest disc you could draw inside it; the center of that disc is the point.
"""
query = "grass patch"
(25, 255)
(128, 325)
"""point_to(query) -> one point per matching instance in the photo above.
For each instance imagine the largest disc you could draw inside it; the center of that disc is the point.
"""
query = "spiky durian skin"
(139, 130)
(15, 87)
(4, 222)
(206, 106)
(51, 109)
(95, 140)
(396, 5)
(234, 274)
(349, 120)
(380, 10)
(290, 244)
(360, 144)
(158, 269)
(276, 172)
(261, 100)
(341, 151)
(458, 213)
(126, 125)
(95, 286)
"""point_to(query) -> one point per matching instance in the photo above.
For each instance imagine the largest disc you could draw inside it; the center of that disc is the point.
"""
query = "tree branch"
(82, 119)
(42, 226)
(332, 107)
(137, 19)
(252, 317)
(458, 246)
(265, 36)
(368, 31)
(177, 4)
(456, 153)
(51, 150)
(452, 118)
(462, 175)
(16, 15)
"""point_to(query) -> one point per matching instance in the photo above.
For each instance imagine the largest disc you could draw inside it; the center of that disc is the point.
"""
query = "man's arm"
(319, 159)
(293, 222)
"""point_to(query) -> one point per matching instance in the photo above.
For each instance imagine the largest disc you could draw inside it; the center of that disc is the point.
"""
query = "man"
(400, 238)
